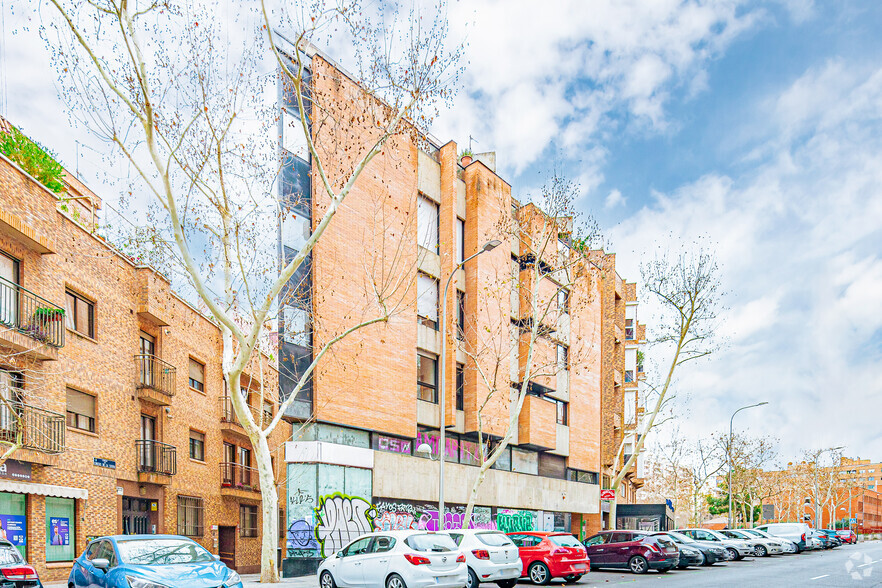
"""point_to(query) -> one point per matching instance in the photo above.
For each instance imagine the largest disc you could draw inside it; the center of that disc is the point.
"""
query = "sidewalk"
(248, 580)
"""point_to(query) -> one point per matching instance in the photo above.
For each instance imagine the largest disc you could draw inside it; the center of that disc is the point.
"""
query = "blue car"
(150, 561)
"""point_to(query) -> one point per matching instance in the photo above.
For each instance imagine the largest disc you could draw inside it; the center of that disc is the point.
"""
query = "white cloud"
(614, 199)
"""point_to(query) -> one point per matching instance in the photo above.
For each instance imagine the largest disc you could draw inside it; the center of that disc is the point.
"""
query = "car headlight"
(232, 579)
(142, 583)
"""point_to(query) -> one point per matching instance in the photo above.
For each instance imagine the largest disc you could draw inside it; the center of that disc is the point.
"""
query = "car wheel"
(761, 551)
(539, 574)
(703, 560)
(327, 580)
(506, 583)
(638, 564)
(733, 553)
(473, 579)
(395, 581)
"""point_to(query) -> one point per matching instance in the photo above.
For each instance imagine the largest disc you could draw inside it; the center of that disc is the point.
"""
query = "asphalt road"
(850, 565)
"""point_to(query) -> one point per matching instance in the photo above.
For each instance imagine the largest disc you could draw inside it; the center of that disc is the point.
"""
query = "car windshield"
(9, 555)
(679, 537)
(752, 532)
(164, 551)
(564, 541)
(493, 539)
(427, 542)
(734, 534)
(719, 536)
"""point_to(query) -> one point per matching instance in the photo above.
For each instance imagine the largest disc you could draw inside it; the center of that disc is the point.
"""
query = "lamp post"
(489, 246)
(730, 454)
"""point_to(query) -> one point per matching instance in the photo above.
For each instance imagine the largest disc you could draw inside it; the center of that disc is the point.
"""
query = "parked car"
(147, 561)
(639, 551)
(712, 552)
(786, 545)
(689, 556)
(396, 559)
(490, 556)
(847, 536)
(835, 541)
(822, 538)
(762, 547)
(796, 532)
(14, 570)
(551, 555)
(737, 548)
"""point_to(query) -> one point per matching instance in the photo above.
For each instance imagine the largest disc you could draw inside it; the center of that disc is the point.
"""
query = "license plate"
(579, 566)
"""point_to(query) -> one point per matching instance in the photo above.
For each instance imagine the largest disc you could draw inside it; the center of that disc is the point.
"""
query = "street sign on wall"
(607, 494)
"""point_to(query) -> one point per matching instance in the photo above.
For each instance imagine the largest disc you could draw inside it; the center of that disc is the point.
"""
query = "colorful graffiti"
(402, 515)
(301, 536)
(509, 521)
(340, 519)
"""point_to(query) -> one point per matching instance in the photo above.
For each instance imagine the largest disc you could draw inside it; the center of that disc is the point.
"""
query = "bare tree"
(553, 284)
(186, 98)
(686, 288)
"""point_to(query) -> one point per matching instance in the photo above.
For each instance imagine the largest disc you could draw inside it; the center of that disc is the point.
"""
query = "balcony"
(239, 480)
(155, 380)
(157, 462)
(30, 318)
(537, 423)
(229, 421)
(38, 432)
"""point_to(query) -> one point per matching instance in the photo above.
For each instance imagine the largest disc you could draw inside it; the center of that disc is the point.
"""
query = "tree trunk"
(269, 571)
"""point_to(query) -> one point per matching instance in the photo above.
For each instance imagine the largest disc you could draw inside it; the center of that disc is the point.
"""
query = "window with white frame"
(460, 240)
(427, 224)
(427, 300)
(563, 357)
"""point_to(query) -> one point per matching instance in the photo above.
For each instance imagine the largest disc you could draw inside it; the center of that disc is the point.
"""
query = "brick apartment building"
(118, 403)
(377, 402)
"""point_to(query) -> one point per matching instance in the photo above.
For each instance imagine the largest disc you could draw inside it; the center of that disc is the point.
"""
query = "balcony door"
(245, 466)
(8, 290)
(229, 466)
(148, 348)
(10, 392)
(148, 447)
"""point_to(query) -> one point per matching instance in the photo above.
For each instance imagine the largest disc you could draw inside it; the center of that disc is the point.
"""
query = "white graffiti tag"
(341, 519)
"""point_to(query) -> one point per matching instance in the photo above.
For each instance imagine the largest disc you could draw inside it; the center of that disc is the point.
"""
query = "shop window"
(248, 520)
(80, 314)
(197, 445)
(197, 375)
(80, 410)
(190, 516)
(13, 522)
(60, 529)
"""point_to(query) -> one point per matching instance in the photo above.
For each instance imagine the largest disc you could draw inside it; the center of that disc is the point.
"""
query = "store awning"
(43, 489)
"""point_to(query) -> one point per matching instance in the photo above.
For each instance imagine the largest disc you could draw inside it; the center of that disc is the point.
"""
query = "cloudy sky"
(755, 124)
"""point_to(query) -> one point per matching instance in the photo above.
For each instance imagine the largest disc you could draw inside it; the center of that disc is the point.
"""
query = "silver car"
(737, 548)
(786, 545)
(762, 547)
(490, 556)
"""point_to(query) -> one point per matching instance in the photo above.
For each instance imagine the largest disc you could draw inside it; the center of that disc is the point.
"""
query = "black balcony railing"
(239, 477)
(156, 458)
(27, 313)
(32, 427)
(228, 414)
(155, 374)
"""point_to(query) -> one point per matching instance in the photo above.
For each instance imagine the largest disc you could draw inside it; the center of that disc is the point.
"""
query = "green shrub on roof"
(33, 159)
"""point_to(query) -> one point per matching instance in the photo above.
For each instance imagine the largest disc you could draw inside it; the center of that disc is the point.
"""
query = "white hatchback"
(490, 555)
(396, 559)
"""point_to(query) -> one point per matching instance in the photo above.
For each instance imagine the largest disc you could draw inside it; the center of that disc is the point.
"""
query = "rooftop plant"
(32, 158)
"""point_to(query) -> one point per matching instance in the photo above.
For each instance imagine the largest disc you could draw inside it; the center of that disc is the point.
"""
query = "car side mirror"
(102, 563)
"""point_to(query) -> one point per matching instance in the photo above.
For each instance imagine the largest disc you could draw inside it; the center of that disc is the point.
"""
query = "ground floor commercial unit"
(343, 486)
(51, 513)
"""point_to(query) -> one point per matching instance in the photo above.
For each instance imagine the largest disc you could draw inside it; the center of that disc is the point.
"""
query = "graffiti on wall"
(339, 519)
(512, 521)
(402, 515)
(301, 538)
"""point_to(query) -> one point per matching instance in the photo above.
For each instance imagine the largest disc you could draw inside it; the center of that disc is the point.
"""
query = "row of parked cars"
(467, 558)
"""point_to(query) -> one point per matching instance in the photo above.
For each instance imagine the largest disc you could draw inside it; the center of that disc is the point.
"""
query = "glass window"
(358, 547)
(189, 516)
(563, 300)
(248, 520)
(460, 386)
(197, 445)
(493, 539)
(564, 541)
(295, 231)
(427, 224)
(526, 462)
(294, 140)
(60, 529)
(460, 240)
(468, 453)
(162, 551)
(427, 300)
(80, 410)
(596, 540)
(563, 357)
(504, 460)
(296, 325)
(383, 544)
(14, 521)
(197, 375)
(562, 412)
(427, 378)
(460, 315)
(434, 543)
(80, 314)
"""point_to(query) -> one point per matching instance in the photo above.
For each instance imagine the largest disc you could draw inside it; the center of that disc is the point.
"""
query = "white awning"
(43, 489)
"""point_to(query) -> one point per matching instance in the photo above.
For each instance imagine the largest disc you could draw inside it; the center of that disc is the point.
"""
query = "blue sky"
(755, 124)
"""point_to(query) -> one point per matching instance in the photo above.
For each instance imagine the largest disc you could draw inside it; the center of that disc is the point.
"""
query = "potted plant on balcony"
(46, 315)
(465, 157)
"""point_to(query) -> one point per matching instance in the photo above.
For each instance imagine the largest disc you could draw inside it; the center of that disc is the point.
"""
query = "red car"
(638, 551)
(551, 555)
(847, 536)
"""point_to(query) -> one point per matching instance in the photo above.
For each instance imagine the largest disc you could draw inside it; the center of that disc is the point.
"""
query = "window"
(197, 375)
(427, 224)
(197, 445)
(460, 386)
(248, 520)
(190, 516)
(563, 410)
(427, 378)
(427, 300)
(267, 411)
(80, 410)
(8, 299)
(460, 240)
(563, 357)
(460, 315)
(563, 300)
(629, 329)
(61, 522)
(80, 314)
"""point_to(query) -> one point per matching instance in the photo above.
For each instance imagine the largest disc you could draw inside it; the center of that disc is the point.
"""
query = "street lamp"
(488, 246)
(730, 454)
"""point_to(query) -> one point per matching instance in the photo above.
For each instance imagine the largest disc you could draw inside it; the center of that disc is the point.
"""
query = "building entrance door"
(226, 546)
(140, 516)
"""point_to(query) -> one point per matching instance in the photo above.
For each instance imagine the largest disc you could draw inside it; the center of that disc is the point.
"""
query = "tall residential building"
(354, 465)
